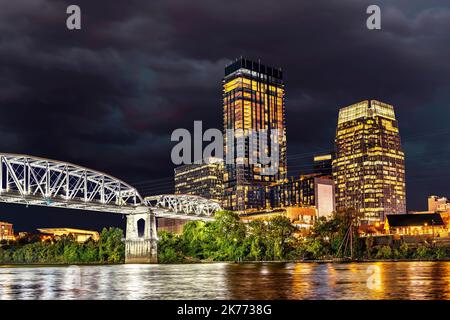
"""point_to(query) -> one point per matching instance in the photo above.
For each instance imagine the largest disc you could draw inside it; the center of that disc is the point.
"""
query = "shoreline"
(37, 264)
(339, 262)
(228, 262)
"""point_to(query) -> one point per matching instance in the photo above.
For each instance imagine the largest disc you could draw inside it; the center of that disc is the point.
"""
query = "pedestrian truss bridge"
(30, 180)
(184, 206)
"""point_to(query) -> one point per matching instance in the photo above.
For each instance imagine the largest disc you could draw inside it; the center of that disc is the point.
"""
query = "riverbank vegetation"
(227, 238)
(109, 249)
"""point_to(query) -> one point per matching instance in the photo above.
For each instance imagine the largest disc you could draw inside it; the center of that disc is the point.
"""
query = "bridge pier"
(141, 238)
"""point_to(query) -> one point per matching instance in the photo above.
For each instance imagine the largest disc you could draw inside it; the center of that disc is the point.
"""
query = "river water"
(380, 280)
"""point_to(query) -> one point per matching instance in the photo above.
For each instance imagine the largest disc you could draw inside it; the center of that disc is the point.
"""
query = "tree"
(442, 253)
(89, 251)
(403, 251)
(280, 232)
(111, 247)
(423, 252)
(326, 237)
(230, 235)
(313, 248)
(192, 238)
(385, 252)
(169, 248)
(256, 240)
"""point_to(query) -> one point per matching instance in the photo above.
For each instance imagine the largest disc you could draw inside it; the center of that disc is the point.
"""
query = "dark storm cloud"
(109, 96)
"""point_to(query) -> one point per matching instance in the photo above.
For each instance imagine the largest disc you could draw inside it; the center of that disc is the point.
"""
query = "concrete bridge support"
(141, 238)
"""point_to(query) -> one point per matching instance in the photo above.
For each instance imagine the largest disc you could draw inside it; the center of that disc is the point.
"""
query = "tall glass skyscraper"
(253, 100)
(369, 166)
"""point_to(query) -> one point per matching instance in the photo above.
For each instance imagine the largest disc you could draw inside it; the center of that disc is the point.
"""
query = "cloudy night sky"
(108, 96)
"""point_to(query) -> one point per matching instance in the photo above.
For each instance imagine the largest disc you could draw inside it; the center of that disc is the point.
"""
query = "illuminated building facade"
(323, 164)
(205, 180)
(305, 191)
(300, 217)
(6, 231)
(171, 225)
(79, 235)
(253, 101)
(438, 204)
(369, 165)
(415, 224)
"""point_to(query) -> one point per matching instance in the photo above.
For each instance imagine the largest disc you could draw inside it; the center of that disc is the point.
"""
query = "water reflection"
(381, 280)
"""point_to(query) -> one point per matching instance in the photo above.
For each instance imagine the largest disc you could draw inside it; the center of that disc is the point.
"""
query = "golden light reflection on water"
(378, 280)
(447, 281)
(301, 288)
(375, 280)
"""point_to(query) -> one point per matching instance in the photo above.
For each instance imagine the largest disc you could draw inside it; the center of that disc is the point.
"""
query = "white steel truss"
(38, 181)
(183, 206)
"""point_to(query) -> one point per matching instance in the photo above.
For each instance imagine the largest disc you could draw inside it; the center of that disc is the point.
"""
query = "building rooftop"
(366, 108)
(66, 231)
(242, 63)
(411, 220)
(323, 157)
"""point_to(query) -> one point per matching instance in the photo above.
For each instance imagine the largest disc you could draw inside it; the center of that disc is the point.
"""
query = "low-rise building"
(6, 231)
(171, 225)
(416, 224)
(302, 199)
(375, 229)
(445, 215)
(438, 204)
(323, 164)
(305, 191)
(79, 235)
(300, 217)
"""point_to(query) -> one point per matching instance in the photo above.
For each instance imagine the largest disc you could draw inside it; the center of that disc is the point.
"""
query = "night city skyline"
(109, 96)
(225, 159)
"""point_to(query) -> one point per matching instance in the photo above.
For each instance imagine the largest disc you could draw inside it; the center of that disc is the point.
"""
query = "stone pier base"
(141, 245)
(140, 251)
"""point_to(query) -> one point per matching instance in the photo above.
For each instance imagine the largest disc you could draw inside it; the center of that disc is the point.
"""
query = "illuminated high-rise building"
(200, 179)
(253, 101)
(205, 179)
(323, 164)
(369, 165)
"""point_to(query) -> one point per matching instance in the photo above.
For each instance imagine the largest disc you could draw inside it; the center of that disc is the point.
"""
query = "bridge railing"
(40, 181)
(188, 205)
